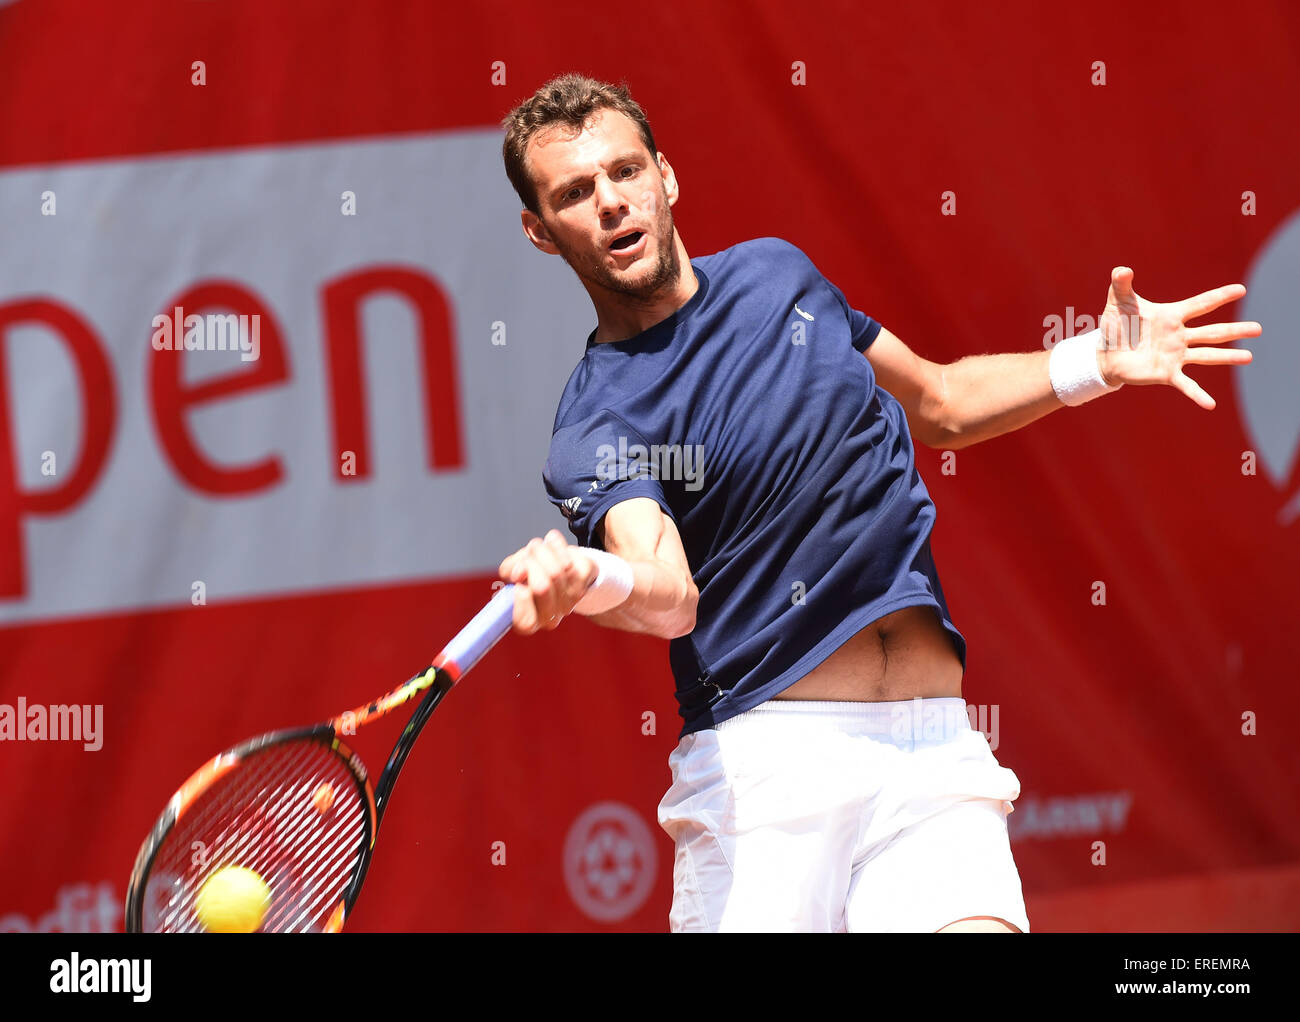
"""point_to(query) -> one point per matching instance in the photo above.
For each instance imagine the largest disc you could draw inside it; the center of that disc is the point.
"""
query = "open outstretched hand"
(1150, 342)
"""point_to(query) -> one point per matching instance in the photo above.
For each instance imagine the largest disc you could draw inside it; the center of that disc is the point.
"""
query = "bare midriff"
(902, 655)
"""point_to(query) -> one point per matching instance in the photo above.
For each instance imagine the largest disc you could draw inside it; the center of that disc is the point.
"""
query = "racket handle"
(484, 631)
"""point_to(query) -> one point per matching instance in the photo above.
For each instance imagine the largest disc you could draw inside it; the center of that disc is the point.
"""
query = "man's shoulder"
(580, 445)
(766, 249)
(573, 390)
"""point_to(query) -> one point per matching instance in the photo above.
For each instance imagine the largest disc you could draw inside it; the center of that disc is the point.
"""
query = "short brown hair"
(569, 99)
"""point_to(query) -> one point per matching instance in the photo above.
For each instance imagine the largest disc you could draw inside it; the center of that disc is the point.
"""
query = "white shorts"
(842, 817)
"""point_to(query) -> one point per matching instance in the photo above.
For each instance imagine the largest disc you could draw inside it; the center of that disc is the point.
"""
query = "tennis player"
(725, 436)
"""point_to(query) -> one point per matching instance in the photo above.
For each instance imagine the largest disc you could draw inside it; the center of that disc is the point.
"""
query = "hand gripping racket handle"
(610, 587)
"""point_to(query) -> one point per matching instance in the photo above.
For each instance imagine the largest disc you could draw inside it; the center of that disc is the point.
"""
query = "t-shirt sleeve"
(595, 464)
(862, 328)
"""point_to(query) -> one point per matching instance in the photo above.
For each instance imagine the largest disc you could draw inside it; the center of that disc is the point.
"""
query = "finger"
(1217, 333)
(1121, 283)
(1208, 301)
(1193, 390)
(507, 568)
(584, 570)
(1216, 356)
(513, 568)
(555, 572)
(542, 591)
(554, 561)
(525, 616)
(572, 580)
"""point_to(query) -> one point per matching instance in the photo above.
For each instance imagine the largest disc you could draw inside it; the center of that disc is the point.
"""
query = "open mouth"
(627, 241)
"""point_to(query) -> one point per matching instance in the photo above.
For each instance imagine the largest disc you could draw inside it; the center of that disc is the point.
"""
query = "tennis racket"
(296, 807)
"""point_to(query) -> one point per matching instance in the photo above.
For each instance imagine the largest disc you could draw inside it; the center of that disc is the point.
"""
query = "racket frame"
(218, 767)
(435, 681)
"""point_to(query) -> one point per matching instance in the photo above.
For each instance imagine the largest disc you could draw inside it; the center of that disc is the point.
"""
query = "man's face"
(595, 188)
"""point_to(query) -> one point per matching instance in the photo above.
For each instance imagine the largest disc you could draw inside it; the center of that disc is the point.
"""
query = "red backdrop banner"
(188, 556)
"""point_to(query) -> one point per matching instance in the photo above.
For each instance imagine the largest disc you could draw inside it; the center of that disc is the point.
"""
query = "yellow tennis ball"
(323, 797)
(232, 900)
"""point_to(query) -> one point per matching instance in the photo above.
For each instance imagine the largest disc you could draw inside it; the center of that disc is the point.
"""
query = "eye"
(571, 194)
(630, 167)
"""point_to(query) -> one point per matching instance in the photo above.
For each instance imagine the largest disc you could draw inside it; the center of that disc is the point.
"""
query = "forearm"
(662, 601)
(984, 396)
(645, 586)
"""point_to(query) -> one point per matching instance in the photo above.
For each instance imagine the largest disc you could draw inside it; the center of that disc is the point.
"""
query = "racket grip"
(484, 631)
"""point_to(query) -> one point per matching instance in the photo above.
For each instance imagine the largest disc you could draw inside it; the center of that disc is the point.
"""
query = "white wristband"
(1074, 369)
(613, 584)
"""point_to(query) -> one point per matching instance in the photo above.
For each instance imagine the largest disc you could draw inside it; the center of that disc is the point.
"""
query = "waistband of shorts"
(921, 719)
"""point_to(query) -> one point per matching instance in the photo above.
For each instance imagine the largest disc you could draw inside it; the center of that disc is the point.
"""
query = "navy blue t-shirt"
(751, 416)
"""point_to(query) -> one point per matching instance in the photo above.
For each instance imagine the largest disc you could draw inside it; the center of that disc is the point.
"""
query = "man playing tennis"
(725, 436)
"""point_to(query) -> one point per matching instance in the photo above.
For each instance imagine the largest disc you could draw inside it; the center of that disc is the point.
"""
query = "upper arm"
(638, 530)
(916, 382)
(589, 471)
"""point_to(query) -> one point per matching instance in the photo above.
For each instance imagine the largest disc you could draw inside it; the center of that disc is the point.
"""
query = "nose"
(608, 198)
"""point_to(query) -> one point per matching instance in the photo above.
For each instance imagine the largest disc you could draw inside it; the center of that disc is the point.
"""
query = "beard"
(649, 279)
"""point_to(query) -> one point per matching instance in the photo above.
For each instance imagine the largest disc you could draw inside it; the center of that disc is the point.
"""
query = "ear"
(537, 233)
(670, 179)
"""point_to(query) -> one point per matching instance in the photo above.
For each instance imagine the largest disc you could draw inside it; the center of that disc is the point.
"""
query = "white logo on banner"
(1059, 816)
(376, 434)
(609, 861)
(1266, 390)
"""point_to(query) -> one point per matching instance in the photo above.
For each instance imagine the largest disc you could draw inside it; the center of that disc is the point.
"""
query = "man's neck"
(620, 316)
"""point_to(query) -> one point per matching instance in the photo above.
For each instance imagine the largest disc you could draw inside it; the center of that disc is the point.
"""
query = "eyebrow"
(579, 178)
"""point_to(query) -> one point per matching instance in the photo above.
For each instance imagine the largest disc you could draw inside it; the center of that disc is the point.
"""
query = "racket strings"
(292, 812)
